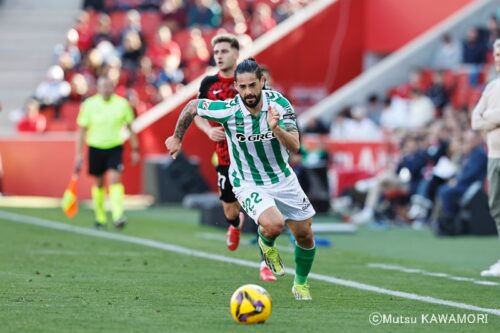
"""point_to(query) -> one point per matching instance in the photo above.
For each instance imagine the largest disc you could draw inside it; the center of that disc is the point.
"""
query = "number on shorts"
(248, 205)
(255, 197)
(221, 179)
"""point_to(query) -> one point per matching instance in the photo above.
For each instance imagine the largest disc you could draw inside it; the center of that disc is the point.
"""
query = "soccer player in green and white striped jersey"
(260, 128)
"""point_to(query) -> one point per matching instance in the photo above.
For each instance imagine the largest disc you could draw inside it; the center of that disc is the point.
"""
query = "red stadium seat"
(118, 21)
(150, 22)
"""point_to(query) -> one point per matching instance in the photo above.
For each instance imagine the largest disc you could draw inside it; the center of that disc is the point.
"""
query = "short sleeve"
(218, 111)
(287, 113)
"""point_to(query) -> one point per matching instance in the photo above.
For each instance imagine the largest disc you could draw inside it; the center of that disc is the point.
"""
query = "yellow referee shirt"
(104, 120)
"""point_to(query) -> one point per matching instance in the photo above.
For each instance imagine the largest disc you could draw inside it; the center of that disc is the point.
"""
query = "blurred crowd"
(149, 48)
(427, 120)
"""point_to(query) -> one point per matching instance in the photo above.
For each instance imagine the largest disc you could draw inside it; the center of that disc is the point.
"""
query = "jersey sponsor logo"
(290, 116)
(205, 105)
(255, 137)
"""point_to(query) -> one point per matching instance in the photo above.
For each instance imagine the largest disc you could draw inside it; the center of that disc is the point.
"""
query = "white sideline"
(201, 254)
(434, 274)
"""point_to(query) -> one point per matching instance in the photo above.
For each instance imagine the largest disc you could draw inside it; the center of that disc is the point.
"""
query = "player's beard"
(256, 100)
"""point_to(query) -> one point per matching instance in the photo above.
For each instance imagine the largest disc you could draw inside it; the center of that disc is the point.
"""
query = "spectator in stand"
(79, 87)
(473, 169)
(204, 13)
(33, 121)
(353, 124)
(165, 91)
(136, 103)
(421, 110)
(444, 154)
(363, 128)
(67, 63)
(394, 114)
(174, 14)
(233, 20)
(70, 47)
(315, 126)
(170, 73)
(374, 109)
(196, 56)
(262, 20)
(414, 82)
(145, 79)
(153, 5)
(403, 178)
(448, 54)
(474, 48)
(53, 90)
(133, 24)
(84, 32)
(97, 5)
(103, 31)
(131, 50)
(437, 92)
(492, 33)
(91, 64)
(287, 8)
(163, 46)
(341, 125)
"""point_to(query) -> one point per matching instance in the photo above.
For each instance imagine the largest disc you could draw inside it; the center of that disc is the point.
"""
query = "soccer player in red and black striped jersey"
(221, 87)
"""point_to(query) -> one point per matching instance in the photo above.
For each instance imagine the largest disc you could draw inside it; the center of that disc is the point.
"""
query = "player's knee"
(273, 229)
(305, 238)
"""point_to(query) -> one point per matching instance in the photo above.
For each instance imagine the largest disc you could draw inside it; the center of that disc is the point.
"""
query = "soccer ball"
(250, 304)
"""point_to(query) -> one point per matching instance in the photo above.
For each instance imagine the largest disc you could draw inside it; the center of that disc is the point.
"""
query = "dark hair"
(248, 65)
(226, 38)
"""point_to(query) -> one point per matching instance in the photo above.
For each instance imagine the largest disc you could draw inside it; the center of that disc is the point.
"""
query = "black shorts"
(101, 160)
(226, 193)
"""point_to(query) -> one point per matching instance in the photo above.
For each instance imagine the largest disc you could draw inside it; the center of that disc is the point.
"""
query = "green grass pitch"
(58, 281)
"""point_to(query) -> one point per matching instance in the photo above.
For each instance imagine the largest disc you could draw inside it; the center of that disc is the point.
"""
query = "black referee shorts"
(226, 193)
(101, 160)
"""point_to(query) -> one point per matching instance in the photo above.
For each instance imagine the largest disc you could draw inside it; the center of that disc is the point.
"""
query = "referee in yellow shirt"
(100, 122)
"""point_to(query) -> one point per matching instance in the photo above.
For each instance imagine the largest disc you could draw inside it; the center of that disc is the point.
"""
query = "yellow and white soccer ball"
(250, 304)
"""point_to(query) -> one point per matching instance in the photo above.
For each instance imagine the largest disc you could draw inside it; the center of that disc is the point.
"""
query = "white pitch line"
(433, 274)
(246, 263)
(222, 238)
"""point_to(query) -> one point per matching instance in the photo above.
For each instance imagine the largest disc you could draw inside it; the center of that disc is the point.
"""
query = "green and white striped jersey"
(256, 154)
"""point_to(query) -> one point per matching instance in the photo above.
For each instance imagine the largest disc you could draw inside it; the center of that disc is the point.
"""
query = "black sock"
(235, 223)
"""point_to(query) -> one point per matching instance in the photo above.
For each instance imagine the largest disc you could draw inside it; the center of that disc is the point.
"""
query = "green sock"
(98, 198)
(267, 241)
(303, 262)
(116, 194)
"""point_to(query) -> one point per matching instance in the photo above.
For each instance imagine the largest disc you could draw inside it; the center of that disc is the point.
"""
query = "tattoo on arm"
(185, 119)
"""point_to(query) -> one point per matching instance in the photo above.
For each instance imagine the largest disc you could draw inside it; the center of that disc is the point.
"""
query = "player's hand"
(216, 134)
(273, 116)
(173, 145)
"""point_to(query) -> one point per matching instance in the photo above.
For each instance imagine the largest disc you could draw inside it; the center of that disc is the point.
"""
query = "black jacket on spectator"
(415, 163)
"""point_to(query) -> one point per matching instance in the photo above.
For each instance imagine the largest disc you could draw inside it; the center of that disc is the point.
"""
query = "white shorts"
(287, 196)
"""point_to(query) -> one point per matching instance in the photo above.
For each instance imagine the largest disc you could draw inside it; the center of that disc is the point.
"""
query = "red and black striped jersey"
(218, 88)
